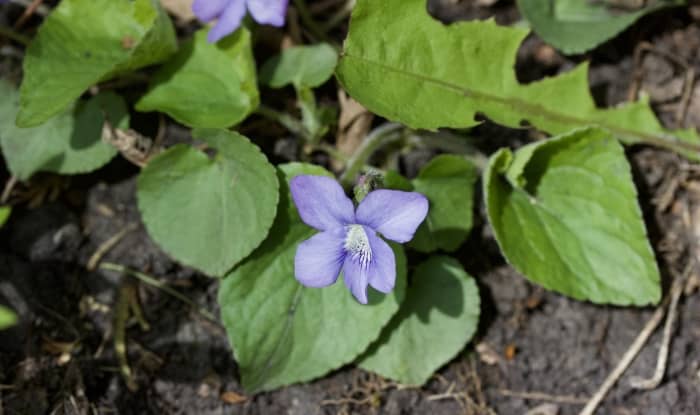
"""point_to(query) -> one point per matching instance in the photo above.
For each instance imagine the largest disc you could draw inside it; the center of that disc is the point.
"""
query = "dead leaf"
(354, 122)
(233, 398)
(510, 351)
(487, 354)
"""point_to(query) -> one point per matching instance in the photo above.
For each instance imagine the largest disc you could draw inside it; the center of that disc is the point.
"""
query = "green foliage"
(575, 26)
(301, 66)
(7, 318)
(469, 70)
(436, 320)
(83, 42)
(565, 214)
(448, 183)
(4, 214)
(209, 213)
(282, 332)
(68, 143)
(206, 85)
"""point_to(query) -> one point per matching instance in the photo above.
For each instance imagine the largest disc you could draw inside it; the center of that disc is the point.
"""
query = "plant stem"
(287, 121)
(147, 279)
(339, 16)
(13, 35)
(379, 137)
(311, 24)
(455, 144)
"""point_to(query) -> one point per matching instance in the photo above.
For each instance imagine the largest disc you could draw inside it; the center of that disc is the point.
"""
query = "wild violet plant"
(563, 210)
(348, 238)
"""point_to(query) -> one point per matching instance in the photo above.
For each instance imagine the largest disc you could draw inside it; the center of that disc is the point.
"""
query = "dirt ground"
(534, 350)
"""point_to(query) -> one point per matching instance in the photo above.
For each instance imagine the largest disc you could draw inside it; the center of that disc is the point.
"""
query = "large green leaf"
(575, 26)
(282, 332)
(68, 143)
(7, 318)
(206, 85)
(301, 66)
(209, 213)
(85, 41)
(565, 214)
(404, 65)
(436, 320)
(4, 214)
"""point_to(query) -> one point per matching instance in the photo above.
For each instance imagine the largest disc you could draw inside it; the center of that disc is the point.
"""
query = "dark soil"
(533, 348)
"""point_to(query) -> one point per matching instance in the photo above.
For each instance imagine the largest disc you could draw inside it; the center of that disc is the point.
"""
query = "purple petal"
(393, 213)
(356, 278)
(228, 22)
(321, 202)
(318, 259)
(382, 268)
(270, 12)
(208, 10)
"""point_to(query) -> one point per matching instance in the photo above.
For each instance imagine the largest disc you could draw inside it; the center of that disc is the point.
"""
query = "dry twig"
(626, 360)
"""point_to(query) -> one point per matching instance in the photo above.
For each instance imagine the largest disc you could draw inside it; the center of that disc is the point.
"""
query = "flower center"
(357, 245)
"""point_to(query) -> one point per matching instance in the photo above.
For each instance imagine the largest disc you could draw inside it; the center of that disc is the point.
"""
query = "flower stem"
(379, 137)
(17, 37)
(286, 120)
(147, 279)
(455, 144)
(311, 24)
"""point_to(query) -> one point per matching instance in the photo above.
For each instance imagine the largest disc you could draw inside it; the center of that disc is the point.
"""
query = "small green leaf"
(282, 332)
(436, 320)
(7, 318)
(83, 42)
(209, 213)
(68, 143)
(575, 26)
(206, 85)
(389, 68)
(4, 214)
(565, 214)
(448, 183)
(301, 66)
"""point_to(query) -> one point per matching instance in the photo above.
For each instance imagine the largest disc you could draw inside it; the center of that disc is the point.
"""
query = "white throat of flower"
(357, 245)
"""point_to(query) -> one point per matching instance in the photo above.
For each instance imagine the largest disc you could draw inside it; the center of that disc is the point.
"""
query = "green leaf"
(448, 183)
(7, 318)
(565, 214)
(4, 214)
(68, 143)
(436, 320)
(206, 85)
(442, 76)
(209, 213)
(282, 332)
(83, 42)
(575, 26)
(301, 66)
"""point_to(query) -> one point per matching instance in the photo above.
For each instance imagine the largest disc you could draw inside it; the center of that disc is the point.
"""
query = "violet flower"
(348, 239)
(230, 14)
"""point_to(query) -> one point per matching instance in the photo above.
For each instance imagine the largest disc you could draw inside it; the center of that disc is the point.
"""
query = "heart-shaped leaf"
(68, 143)
(282, 332)
(83, 42)
(565, 214)
(206, 85)
(436, 320)
(209, 213)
